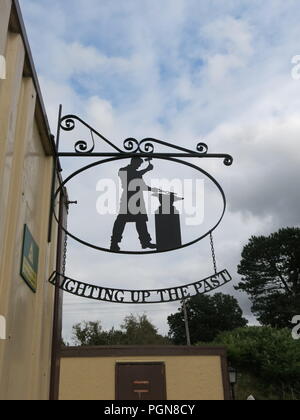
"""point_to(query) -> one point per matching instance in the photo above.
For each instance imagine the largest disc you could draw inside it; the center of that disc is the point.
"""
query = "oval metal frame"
(98, 163)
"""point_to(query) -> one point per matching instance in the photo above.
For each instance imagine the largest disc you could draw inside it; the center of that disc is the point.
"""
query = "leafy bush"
(269, 354)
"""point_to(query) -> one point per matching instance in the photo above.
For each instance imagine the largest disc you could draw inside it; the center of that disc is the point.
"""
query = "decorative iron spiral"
(147, 146)
(67, 124)
(202, 148)
(131, 145)
(228, 161)
(82, 147)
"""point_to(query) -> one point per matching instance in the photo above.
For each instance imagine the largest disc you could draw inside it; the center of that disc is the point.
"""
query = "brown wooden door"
(140, 381)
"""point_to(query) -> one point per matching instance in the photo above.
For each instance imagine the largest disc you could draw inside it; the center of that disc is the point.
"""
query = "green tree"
(268, 354)
(134, 331)
(140, 331)
(208, 316)
(90, 334)
(270, 270)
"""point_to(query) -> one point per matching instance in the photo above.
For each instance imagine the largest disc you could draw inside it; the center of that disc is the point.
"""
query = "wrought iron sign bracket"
(133, 148)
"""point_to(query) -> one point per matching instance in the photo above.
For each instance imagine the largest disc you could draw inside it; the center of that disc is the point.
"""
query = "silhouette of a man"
(133, 208)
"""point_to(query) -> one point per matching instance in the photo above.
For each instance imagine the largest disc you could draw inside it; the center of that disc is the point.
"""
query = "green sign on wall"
(30, 260)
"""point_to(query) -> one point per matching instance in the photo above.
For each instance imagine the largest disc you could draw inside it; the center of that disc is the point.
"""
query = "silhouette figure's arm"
(145, 171)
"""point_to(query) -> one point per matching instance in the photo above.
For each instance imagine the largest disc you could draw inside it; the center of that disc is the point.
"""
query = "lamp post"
(233, 381)
(186, 322)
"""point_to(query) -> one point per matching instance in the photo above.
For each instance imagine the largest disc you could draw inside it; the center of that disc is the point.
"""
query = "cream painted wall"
(5, 6)
(188, 377)
(25, 186)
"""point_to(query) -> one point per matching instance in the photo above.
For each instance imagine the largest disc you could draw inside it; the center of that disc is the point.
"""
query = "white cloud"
(232, 36)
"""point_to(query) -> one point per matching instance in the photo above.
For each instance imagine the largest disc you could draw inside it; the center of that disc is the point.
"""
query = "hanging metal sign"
(133, 210)
(167, 223)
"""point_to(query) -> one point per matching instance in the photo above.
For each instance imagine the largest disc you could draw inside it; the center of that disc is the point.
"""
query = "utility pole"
(186, 321)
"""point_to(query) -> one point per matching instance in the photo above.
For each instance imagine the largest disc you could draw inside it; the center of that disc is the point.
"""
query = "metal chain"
(64, 262)
(213, 252)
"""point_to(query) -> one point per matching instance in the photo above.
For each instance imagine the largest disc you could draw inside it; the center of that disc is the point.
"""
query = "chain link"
(64, 262)
(213, 253)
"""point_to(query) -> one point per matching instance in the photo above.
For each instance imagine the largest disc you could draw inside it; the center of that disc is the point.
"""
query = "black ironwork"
(213, 252)
(174, 294)
(134, 149)
(65, 253)
(94, 164)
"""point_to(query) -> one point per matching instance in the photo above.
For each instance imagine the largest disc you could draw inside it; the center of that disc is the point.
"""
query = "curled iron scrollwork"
(228, 161)
(147, 146)
(131, 146)
(82, 146)
(67, 124)
(202, 148)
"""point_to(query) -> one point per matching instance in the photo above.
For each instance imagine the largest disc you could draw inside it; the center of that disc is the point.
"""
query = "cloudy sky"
(181, 71)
